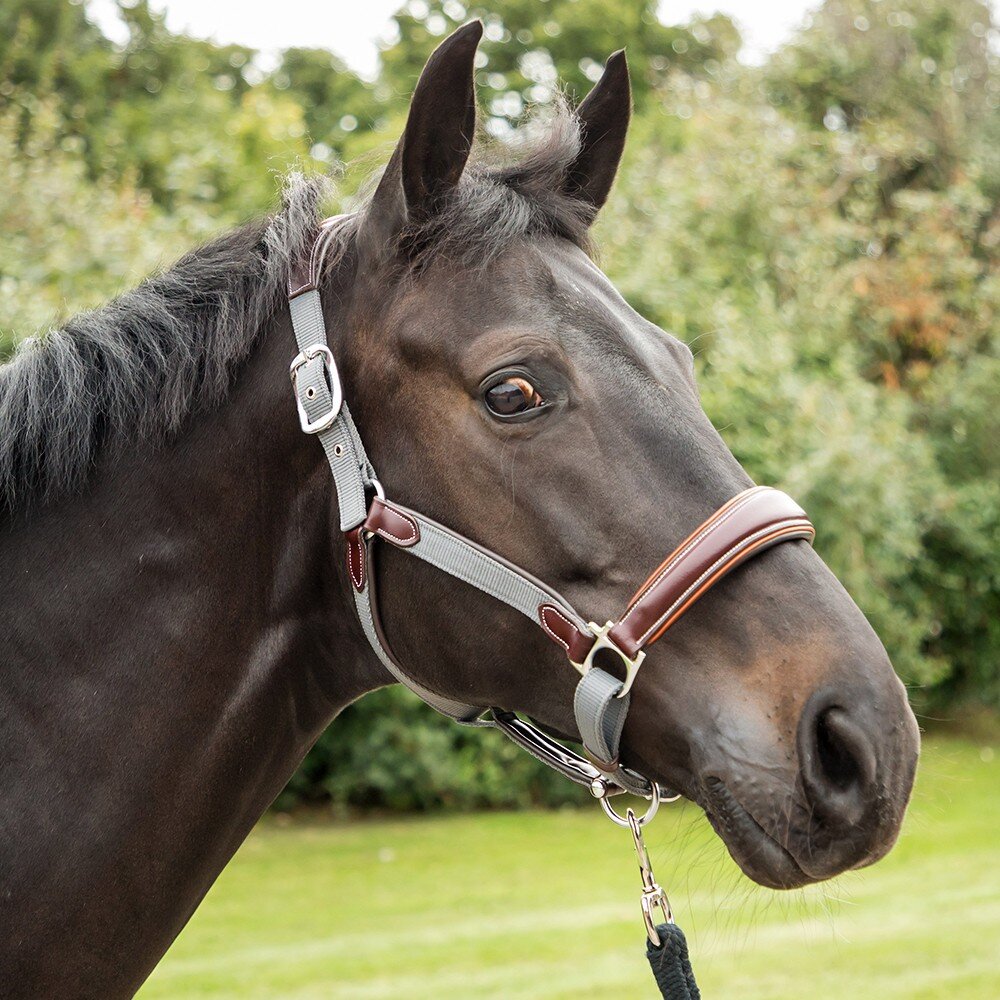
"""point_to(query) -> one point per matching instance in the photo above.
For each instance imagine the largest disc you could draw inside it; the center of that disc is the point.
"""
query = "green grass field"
(545, 905)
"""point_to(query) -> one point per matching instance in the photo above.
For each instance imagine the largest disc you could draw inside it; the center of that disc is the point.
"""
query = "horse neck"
(173, 641)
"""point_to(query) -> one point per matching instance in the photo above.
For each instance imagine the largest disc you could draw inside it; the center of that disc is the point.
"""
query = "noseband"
(745, 526)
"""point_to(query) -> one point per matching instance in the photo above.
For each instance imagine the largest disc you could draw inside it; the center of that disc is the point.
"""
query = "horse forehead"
(530, 283)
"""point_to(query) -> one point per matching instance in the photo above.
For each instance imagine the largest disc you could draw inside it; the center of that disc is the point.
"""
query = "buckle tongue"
(603, 641)
(324, 420)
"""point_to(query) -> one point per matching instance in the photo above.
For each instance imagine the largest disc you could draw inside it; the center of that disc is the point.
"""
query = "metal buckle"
(602, 641)
(324, 420)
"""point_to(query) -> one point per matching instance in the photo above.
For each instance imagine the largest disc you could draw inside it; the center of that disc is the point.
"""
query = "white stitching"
(548, 630)
(671, 563)
(731, 551)
(358, 580)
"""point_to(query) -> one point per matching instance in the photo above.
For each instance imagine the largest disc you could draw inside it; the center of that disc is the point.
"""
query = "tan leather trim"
(392, 524)
(692, 539)
(789, 533)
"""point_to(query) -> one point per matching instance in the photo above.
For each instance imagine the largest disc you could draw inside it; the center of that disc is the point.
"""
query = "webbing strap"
(464, 559)
(317, 392)
(446, 706)
(600, 713)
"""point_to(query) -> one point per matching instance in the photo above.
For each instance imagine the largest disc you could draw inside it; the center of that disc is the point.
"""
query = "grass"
(545, 905)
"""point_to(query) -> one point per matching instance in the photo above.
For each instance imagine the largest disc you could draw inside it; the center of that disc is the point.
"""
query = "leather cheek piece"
(392, 524)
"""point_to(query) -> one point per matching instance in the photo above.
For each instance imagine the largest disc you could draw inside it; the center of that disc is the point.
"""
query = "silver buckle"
(601, 641)
(324, 420)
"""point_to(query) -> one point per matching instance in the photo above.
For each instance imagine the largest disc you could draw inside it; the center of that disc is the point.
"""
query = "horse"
(179, 625)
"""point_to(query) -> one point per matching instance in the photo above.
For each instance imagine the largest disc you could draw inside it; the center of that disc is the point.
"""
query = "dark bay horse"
(177, 622)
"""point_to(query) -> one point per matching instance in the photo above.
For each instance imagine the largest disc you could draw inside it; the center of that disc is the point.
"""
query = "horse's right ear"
(604, 117)
(431, 155)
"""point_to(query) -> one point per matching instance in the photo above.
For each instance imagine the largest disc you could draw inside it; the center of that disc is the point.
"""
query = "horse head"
(503, 386)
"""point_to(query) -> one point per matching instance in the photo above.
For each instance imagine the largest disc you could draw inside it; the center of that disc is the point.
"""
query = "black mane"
(138, 367)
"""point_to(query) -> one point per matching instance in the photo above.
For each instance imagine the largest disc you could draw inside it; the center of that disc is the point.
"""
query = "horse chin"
(759, 855)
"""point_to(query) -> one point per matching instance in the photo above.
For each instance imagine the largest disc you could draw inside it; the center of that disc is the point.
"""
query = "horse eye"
(513, 395)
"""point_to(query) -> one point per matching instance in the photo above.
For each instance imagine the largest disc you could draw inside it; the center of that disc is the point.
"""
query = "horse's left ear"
(604, 116)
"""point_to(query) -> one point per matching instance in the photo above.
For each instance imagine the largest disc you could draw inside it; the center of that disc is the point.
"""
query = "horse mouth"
(757, 853)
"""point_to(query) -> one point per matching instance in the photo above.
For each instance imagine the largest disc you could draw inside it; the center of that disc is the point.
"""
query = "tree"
(532, 47)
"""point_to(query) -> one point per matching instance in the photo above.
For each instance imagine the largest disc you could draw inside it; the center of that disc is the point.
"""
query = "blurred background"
(810, 200)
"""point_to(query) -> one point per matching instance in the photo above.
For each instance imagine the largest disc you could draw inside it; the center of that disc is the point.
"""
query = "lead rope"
(666, 946)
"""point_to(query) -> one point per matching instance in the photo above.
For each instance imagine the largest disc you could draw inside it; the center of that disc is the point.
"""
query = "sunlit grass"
(545, 905)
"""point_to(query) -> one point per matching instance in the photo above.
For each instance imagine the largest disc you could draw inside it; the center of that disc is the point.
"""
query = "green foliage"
(335, 103)
(391, 750)
(176, 116)
(532, 48)
(71, 242)
(824, 231)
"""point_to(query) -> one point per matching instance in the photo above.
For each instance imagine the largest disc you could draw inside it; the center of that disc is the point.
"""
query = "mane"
(141, 366)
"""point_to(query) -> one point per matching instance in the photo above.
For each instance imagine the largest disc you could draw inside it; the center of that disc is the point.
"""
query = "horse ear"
(431, 155)
(604, 116)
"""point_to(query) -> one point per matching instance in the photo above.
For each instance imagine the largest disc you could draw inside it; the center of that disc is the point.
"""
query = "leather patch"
(356, 558)
(558, 627)
(392, 524)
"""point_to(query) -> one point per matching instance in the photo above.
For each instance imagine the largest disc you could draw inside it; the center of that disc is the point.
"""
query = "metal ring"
(654, 804)
(603, 641)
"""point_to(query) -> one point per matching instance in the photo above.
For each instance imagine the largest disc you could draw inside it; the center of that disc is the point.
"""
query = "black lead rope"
(671, 965)
(666, 947)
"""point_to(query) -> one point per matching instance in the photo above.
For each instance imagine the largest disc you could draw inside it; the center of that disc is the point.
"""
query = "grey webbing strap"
(453, 709)
(318, 393)
(600, 714)
(485, 570)
(312, 379)
(600, 717)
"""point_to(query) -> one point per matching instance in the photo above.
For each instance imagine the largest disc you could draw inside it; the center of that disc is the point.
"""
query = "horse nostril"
(838, 765)
(835, 749)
